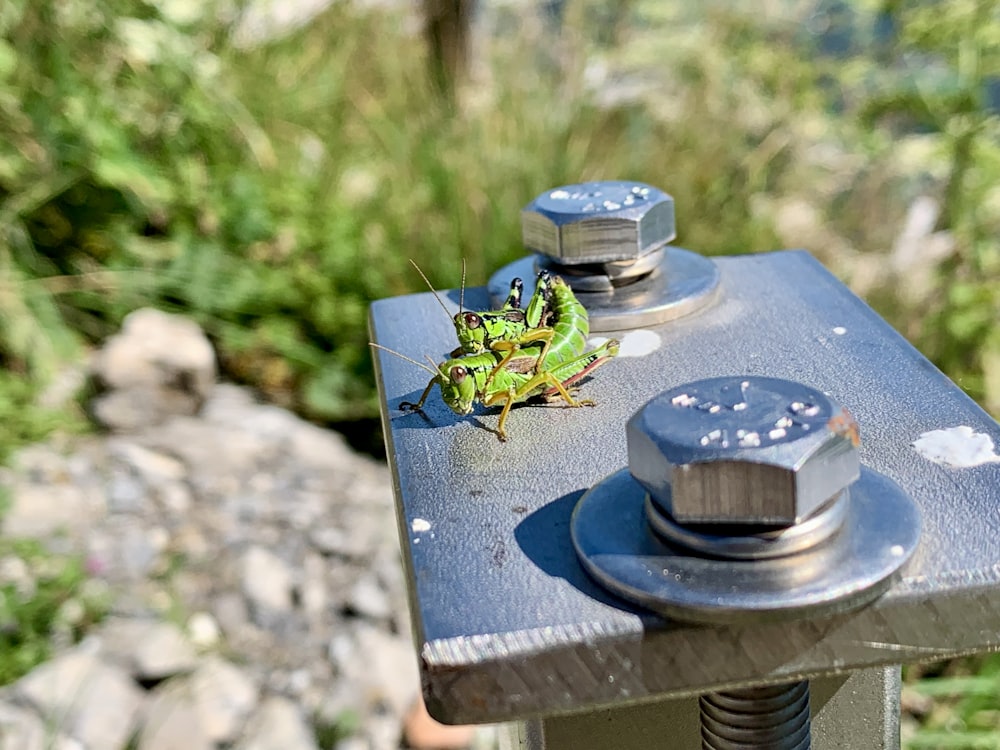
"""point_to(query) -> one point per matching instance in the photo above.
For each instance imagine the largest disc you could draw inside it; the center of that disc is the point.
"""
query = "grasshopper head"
(458, 386)
(470, 331)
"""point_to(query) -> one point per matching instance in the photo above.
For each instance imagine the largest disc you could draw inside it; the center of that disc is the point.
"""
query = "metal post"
(859, 710)
(511, 623)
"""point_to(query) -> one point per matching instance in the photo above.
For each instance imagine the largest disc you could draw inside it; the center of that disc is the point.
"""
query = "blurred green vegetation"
(272, 190)
(953, 705)
(43, 600)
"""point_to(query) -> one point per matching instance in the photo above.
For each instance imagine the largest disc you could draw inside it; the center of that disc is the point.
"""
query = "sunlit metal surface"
(507, 622)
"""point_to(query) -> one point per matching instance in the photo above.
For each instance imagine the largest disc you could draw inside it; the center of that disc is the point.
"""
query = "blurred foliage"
(273, 192)
(957, 703)
(24, 419)
(48, 600)
(953, 56)
(271, 189)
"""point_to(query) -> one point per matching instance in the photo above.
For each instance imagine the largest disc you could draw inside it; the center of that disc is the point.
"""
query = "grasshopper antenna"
(461, 290)
(433, 291)
(421, 365)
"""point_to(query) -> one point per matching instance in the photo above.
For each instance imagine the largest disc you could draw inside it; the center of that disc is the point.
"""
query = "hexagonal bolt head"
(743, 450)
(599, 222)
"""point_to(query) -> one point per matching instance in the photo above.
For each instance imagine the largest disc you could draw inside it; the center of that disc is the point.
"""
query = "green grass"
(964, 704)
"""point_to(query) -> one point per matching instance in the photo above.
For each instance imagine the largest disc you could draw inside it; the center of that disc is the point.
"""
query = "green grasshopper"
(510, 328)
(487, 330)
(475, 378)
(543, 361)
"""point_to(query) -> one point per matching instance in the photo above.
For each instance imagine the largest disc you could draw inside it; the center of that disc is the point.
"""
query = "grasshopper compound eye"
(472, 320)
(458, 374)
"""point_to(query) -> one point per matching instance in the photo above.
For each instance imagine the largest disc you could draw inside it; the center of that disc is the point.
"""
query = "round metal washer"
(710, 539)
(683, 283)
(617, 547)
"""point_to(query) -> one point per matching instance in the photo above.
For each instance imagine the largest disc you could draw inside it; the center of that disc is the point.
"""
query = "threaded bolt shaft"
(771, 718)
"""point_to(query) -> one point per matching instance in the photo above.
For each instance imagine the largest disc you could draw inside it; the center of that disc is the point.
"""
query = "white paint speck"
(958, 447)
(634, 343)
(419, 524)
(840, 330)
(639, 343)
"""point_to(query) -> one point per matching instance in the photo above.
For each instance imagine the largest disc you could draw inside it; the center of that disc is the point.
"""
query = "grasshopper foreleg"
(410, 406)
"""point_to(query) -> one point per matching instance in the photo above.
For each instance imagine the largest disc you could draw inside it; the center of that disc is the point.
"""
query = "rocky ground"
(251, 563)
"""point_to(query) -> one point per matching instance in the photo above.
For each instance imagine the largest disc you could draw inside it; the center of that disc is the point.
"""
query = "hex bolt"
(599, 222)
(610, 241)
(760, 508)
(751, 452)
(756, 490)
(743, 451)
(757, 452)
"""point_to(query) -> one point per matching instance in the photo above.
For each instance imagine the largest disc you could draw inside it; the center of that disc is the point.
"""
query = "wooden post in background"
(446, 31)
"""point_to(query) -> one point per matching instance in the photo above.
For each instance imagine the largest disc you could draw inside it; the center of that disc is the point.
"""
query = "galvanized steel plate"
(507, 623)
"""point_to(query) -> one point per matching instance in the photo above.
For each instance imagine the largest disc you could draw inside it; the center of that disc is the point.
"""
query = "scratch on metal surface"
(958, 447)
(907, 648)
(464, 650)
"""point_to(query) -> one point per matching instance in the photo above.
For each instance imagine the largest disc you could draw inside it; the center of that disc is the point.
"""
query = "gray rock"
(234, 407)
(203, 630)
(279, 530)
(158, 365)
(156, 348)
(134, 408)
(217, 459)
(175, 499)
(173, 720)
(126, 494)
(41, 464)
(154, 468)
(333, 541)
(369, 599)
(304, 509)
(42, 510)
(124, 550)
(231, 612)
(383, 733)
(278, 725)
(87, 700)
(341, 703)
(225, 695)
(267, 580)
(22, 730)
(382, 665)
(313, 591)
(149, 649)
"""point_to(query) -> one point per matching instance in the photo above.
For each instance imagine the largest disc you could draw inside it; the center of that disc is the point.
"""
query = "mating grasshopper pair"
(509, 355)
